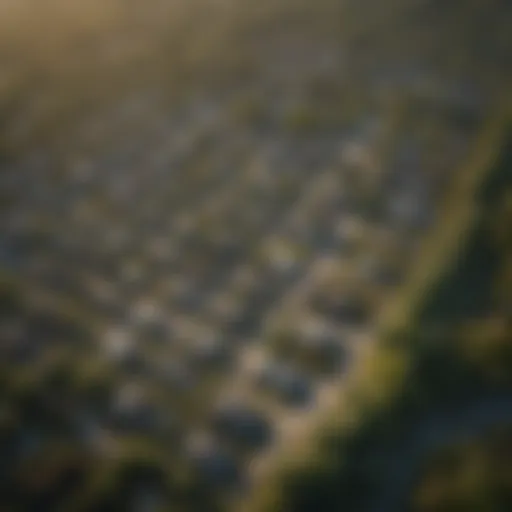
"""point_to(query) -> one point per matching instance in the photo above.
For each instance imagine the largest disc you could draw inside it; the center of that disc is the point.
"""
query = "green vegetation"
(470, 475)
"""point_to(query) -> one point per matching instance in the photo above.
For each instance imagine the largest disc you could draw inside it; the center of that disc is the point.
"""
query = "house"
(178, 375)
(214, 465)
(17, 346)
(243, 427)
(341, 307)
(321, 348)
(156, 332)
(210, 355)
(133, 412)
(287, 384)
(122, 349)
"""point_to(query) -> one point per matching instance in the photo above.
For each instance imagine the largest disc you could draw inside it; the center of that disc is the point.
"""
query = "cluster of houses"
(220, 273)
